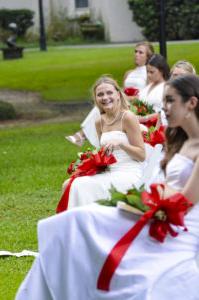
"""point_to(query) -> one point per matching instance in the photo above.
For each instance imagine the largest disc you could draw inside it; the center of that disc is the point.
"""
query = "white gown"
(121, 175)
(137, 79)
(74, 245)
(153, 97)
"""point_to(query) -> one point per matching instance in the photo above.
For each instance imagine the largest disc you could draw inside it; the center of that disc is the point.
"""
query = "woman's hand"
(111, 146)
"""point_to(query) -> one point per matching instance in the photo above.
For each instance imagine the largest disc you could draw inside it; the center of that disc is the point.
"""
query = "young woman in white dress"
(74, 245)
(119, 133)
(158, 73)
(136, 78)
(181, 67)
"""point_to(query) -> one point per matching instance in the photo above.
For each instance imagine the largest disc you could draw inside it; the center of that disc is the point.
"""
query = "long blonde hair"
(184, 65)
(108, 79)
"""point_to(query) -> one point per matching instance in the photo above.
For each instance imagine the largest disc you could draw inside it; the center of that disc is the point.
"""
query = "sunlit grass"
(33, 164)
(67, 74)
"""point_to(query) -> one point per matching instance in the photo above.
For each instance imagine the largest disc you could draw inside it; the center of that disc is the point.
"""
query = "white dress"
(137, 79)
(74, 245)
(153, 97)
(121, 175)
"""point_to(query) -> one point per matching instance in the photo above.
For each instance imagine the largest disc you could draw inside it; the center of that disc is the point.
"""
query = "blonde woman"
(119, 133)
(136, 78)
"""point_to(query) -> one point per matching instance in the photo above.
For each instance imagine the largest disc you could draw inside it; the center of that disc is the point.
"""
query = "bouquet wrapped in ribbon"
(161, 213)
(154, 136)
(87, 164)
(141, 108)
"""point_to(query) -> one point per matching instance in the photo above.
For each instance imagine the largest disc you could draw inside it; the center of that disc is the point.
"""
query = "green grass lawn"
(33, 161)
(67, 74)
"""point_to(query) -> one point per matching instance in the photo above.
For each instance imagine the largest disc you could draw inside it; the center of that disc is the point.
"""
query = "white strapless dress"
(122, 175)
(74, 245)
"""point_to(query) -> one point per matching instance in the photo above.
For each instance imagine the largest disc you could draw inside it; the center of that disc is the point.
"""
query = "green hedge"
(182, 21)
(22, 17)
(7, 111)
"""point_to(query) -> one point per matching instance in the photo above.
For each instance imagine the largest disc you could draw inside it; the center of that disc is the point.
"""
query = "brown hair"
(186, 86)
(149, 48)
(108, 79)
(159, 62)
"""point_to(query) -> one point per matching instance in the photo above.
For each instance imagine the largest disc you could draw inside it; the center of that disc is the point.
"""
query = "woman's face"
(178, 71)
(140, 56)
(175, 109)
(106, 97)
(154, 75)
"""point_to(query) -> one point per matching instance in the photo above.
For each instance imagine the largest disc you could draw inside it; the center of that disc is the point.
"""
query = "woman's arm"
(191, 189)
(136, 147)
(98, 126)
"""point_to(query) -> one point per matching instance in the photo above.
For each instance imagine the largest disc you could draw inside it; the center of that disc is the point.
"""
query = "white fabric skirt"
(74, 245)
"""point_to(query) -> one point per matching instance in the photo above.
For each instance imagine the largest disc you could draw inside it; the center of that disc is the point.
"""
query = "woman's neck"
(191, 127)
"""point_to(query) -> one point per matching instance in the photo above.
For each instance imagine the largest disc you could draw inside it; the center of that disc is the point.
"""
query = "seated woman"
(158, 74)
(119, 133)
(74, 245)
(136, 78)
(182, 67)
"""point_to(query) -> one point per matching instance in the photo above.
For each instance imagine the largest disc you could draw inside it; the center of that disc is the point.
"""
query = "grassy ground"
(33, 162)
(67, 74)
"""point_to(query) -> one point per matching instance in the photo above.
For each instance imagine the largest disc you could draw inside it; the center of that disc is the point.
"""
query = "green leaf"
(105, 202)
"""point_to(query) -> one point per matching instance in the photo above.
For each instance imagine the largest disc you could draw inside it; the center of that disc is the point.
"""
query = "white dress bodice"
(124, 160)
(178, 171)
(154, 96)
(136, 78)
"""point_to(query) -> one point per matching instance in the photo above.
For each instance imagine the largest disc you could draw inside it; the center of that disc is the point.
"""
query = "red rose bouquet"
(141, 108)
(131, 91)
(87, 164)
(154, 136)
(161, 213)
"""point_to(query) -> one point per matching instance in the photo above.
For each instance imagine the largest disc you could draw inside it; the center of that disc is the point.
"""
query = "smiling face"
(107, 97)
(140, 56)
(175, 109)
(154, 75)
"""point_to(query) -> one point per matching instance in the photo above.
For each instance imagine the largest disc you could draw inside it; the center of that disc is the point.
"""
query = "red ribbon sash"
(96, 163)
(173, 208)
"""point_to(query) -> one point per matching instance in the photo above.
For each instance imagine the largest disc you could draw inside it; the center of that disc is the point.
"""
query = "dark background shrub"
(7, 111)
(182, 21)
(22, 17)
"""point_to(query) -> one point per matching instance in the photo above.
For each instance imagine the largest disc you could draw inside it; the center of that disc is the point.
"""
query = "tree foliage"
(182, 21)
(23, 18)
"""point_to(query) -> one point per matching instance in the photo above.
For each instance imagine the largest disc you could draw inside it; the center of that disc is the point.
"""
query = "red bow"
(150, 122)
(155, 137)
(168, 211)
(96, 163)
(131, 91)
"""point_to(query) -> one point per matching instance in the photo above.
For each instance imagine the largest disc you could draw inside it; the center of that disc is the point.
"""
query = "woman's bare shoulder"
(129, 115)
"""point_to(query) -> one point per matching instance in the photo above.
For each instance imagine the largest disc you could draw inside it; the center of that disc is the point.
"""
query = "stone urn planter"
(12, 53)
